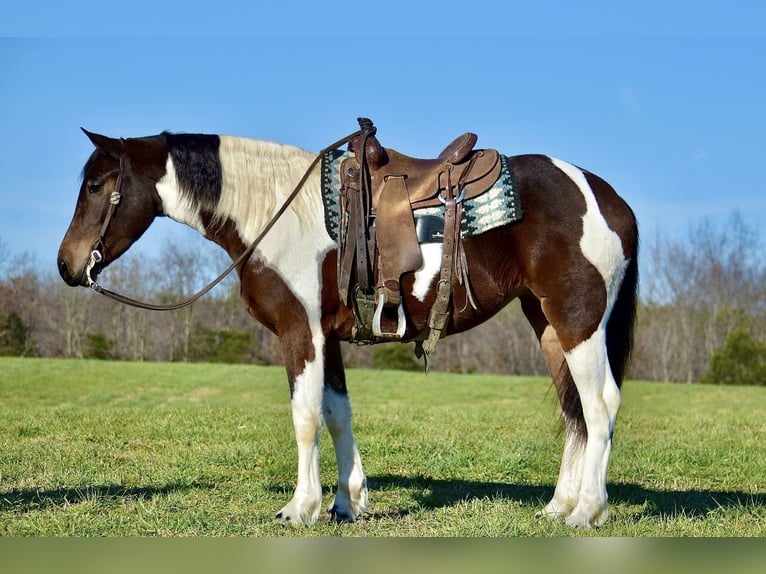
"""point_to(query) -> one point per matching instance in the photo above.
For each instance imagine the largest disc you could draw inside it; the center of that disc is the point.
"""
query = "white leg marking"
(307, 421)
(588, 365)
(432, 260)
(570, 476)
(351, 498)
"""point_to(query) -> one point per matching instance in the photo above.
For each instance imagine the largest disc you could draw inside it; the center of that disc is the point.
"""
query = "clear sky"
(664, 100)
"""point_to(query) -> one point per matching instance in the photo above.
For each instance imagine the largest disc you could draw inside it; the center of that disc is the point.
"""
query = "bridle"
(98, 248)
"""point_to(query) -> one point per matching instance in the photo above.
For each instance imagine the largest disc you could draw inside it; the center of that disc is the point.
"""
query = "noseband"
(97, 250)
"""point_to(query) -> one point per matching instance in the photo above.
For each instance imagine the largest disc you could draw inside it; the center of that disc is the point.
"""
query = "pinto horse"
(571, 261)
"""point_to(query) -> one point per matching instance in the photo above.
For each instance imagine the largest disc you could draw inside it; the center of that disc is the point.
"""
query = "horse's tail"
(619, 344)
(622, 321)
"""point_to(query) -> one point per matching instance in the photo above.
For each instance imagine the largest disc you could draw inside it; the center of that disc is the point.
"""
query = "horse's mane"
(258, 176)
(242, 180)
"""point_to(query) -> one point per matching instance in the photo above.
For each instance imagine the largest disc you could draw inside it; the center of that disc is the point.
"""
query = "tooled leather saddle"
(378, 240)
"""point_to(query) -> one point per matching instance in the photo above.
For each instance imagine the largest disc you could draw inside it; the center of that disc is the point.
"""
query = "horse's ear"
(110, 146)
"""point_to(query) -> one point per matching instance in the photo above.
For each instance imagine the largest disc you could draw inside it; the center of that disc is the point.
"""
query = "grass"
(92, 448)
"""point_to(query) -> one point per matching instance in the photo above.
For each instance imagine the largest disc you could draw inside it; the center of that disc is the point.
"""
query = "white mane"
(257, 178)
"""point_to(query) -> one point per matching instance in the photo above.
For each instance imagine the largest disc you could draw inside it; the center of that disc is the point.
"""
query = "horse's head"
(118, 200)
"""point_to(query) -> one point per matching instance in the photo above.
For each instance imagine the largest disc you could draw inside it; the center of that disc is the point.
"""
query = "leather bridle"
(98, 248)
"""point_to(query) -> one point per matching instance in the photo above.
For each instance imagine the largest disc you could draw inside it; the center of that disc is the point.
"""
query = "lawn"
(93, 448)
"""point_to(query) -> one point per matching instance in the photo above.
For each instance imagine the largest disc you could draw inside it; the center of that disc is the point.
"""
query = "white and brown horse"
(571, 260)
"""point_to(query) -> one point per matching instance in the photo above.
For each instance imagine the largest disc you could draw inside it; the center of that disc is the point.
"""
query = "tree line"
(701, 315)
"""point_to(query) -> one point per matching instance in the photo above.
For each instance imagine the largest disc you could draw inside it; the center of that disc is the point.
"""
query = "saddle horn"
(366, 146)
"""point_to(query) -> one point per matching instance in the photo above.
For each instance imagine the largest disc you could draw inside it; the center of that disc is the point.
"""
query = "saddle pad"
(498, 206)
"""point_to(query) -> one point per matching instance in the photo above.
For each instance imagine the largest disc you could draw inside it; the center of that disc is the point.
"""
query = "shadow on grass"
(437, 493)
(25, 500)
(682, 503)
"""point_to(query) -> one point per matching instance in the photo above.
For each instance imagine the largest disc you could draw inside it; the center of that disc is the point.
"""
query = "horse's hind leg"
(600, 398)
(568, 485)
(589, 420)
(351, 498)
(590, 399)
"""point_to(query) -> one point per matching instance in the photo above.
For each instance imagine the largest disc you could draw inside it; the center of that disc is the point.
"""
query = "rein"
(97, 256)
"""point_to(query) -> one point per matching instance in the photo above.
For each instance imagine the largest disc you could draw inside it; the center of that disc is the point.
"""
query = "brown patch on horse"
(337, 318)
(268, 299)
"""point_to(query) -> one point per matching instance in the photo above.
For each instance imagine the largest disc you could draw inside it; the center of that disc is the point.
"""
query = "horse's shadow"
(26, 500)
(432, 493)
(428, 493)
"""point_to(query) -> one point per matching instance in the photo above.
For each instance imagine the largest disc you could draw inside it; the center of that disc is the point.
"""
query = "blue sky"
(666, 103)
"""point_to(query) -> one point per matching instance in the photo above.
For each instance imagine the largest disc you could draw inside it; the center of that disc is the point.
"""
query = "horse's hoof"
(554, 511)
(338, 515)
(285, 518)
(577, 522)
(581, 520)
(291, 514)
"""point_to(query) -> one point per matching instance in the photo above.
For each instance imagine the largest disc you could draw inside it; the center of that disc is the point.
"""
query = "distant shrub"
(397, 357)
(740, 361)
(97, 346)
(14, 336)
(223, 346)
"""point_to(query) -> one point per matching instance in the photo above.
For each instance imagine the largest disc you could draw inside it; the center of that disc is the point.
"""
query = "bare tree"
(696, 292)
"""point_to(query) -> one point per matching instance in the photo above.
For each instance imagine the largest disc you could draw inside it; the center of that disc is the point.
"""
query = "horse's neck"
(257, 177)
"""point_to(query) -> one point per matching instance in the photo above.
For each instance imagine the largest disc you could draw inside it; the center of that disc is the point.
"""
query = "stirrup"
(401, 326)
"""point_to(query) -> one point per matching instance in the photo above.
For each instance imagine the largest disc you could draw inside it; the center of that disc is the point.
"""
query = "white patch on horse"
(173, 203)
(257, 178)
(599, 244)
(424, 277)
(600, 398)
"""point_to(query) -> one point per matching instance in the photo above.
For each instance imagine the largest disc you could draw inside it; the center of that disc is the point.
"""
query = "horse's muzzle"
(65, 273)
(72, 277)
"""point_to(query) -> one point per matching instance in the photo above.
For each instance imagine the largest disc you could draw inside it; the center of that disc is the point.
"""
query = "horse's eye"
(95, 187)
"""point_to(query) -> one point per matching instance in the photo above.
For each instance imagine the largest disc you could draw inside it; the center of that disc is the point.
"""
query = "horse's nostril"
(63, 269)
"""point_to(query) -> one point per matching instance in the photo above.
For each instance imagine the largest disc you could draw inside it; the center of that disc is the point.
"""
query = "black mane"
(198, 167)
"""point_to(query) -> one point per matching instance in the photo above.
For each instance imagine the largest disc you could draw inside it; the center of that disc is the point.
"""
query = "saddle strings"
(240, 260)
(461, 262)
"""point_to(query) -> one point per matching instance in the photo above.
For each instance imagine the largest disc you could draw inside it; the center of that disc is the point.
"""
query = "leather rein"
(98, 248)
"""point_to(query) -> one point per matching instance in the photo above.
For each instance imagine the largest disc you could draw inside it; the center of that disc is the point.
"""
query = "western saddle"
(380, 189)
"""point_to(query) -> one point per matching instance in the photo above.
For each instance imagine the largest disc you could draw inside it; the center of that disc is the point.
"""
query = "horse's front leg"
(305, 371)
(351, 498)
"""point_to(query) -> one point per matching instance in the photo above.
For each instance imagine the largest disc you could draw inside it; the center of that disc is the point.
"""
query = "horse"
(571, 261)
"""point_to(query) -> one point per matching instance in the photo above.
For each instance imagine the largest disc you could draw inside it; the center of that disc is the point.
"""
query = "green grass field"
(92, 448)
